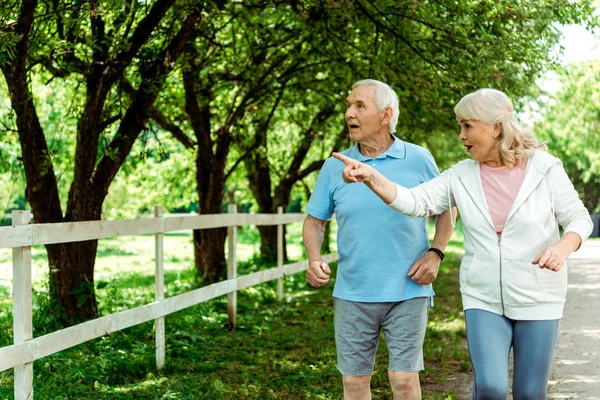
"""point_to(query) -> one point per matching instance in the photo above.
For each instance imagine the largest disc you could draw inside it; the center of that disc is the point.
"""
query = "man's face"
(362, 117)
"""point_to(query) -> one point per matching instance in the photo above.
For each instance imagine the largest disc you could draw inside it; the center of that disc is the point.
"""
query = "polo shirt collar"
(396, 150)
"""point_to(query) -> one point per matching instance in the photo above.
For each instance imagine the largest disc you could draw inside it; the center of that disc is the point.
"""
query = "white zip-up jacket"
(496, 273)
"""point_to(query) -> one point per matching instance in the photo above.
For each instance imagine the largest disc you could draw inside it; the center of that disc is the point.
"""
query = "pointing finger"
(352, 163)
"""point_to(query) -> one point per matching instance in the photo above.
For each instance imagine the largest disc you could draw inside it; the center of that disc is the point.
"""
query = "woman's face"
(481, 141)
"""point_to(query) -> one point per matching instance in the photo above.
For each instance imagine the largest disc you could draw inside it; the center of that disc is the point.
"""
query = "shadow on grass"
(132, 280)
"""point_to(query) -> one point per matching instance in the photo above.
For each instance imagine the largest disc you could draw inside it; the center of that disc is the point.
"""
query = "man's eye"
(467, 126)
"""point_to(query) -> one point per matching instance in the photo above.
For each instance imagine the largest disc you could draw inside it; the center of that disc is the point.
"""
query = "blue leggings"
(490, 337)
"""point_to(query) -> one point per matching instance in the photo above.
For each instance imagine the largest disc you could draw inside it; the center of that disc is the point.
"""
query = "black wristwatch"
(438, 252)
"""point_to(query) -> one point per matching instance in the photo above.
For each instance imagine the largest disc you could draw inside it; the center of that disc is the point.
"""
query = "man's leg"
(357, 387)
(404, 328)
(405, 385)
(356, 338)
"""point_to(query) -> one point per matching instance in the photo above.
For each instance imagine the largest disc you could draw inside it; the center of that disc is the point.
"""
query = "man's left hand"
(425, 270)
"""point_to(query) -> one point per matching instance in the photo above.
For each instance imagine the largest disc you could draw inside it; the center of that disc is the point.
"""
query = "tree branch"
(171, 127)
(136, 117)
(140, 36)
(161, 119)
(42, 190)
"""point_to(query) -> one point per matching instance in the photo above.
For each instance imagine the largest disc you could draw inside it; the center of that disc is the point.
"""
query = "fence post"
(232, 269)
(280, 255)
(22, 308)
(159, 289)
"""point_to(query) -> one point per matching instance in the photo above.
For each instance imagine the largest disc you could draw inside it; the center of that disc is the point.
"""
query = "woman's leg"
(533, 350)
(489, 337)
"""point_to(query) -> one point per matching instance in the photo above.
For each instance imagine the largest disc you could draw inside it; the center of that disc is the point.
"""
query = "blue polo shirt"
(377, 245)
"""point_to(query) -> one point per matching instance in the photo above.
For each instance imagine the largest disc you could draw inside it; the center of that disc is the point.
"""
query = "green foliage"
(570, 125)
(261, 82)
(12, 179)
(159, 171)
(309, 52)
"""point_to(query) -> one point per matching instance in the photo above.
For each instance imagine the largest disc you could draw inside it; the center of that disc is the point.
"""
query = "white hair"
(492, 106)
(384, 97)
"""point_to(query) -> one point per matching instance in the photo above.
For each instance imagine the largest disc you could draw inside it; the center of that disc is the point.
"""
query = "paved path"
(576, 371)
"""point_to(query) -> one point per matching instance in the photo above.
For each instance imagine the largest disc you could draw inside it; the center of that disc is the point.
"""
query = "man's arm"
(443, 229)
(425, 270)
(312, 235)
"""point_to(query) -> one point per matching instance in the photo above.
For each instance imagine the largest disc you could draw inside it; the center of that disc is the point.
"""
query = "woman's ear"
(497, 130)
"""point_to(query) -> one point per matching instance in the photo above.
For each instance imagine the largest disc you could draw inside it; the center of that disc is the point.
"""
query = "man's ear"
(386, 115)
(497, 130)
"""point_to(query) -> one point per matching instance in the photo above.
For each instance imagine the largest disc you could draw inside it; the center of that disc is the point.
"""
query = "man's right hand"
(318, 273)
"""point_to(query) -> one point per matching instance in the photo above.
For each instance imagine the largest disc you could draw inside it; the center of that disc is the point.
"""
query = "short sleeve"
(320, 205)
(430, 170)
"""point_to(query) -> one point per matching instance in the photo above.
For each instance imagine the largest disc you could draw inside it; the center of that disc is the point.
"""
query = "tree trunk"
(259, 178)
(268, 241)
(72, 264)
(72, 279)
(209, 244)
(209, 252)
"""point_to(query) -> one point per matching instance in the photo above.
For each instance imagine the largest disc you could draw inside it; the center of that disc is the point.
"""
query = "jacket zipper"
(500, 262)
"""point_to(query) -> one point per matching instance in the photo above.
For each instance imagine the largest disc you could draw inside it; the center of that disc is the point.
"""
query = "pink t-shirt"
(500, 186)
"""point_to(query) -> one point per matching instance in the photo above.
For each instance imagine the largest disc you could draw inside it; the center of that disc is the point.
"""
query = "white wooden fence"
(22, 235)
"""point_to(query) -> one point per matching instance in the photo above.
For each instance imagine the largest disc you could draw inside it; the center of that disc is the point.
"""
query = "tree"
(569, 122)
(98, 45)
(243, 61)
(432, 53)
(245, 67)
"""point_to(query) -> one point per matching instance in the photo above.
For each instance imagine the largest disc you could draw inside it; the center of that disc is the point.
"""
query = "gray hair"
(384, 97)
(492, 106)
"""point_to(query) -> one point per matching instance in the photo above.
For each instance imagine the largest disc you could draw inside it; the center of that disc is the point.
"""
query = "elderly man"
(386, 265)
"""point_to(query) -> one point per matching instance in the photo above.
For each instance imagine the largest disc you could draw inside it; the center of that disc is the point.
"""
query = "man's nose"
(461, 135)
(350, 113)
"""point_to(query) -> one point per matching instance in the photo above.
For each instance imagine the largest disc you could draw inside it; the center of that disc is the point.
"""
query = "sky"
(579, 44)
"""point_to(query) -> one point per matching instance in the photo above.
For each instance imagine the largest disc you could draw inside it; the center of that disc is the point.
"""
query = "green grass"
(278, 351)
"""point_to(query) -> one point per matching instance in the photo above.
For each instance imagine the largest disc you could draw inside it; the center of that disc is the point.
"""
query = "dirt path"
(576, 371)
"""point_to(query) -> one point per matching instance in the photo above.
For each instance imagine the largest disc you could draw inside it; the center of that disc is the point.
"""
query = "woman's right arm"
(356, 171)
(429, 198)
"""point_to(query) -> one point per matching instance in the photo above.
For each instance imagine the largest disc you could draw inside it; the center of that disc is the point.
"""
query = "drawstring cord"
(450, 203)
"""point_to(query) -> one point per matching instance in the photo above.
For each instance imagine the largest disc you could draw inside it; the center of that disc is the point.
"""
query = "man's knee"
(356, 384)
(404, 382)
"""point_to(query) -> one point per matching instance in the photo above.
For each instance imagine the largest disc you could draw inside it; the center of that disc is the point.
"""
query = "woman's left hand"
(550, 259)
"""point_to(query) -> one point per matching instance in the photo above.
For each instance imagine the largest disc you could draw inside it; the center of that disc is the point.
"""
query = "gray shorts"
(357, 332)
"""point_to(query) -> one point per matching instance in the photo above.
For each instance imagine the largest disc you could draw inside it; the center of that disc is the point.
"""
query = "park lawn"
(278, 351)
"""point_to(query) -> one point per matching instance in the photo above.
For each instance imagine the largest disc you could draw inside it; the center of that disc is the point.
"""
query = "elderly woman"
(511, 195)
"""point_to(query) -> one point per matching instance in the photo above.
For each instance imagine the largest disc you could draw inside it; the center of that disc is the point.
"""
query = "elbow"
(313, 224)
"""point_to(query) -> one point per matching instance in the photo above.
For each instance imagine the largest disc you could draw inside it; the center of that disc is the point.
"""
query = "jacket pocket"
(480, 278)
(554, 283)
(526, 284)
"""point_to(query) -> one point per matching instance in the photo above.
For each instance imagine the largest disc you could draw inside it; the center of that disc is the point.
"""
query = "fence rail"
(22, 235)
